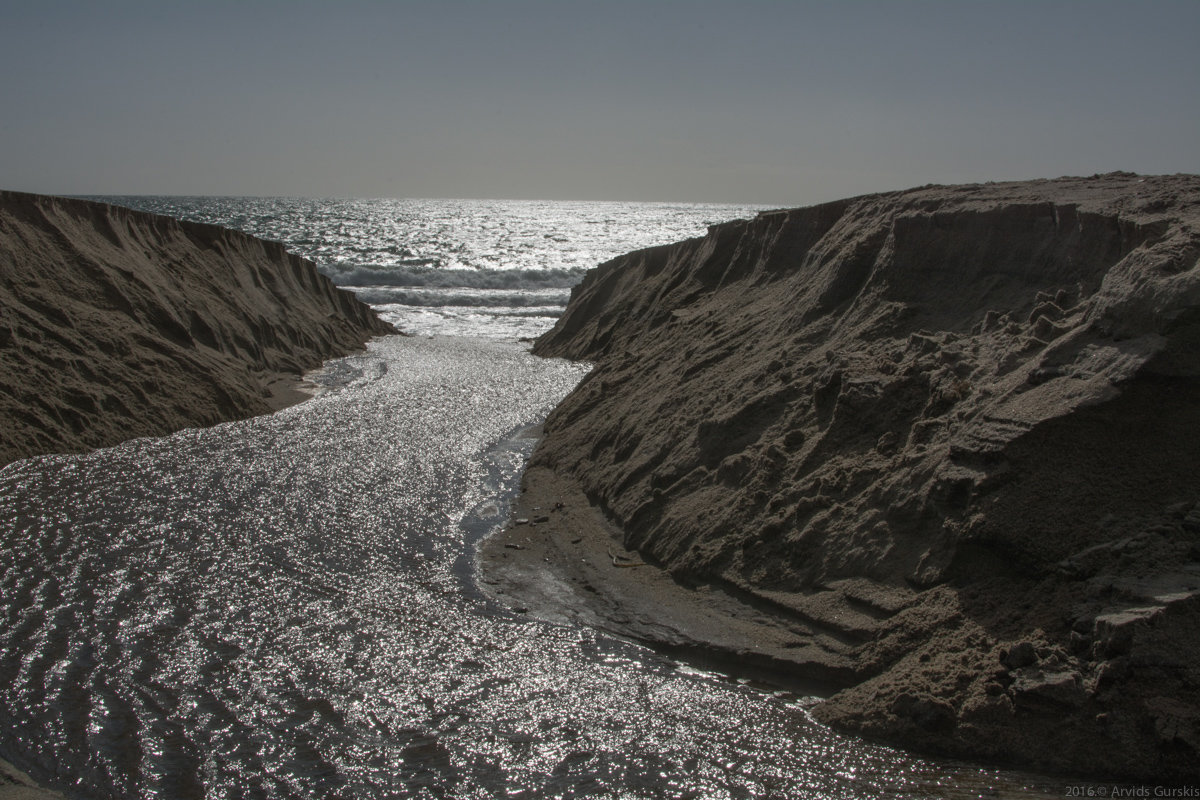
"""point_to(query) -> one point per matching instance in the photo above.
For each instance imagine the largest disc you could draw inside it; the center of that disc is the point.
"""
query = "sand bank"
(562, 561)
(118, 324)
(939, 447)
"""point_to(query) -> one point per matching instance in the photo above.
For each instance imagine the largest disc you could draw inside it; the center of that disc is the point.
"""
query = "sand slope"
(116, 324)
(947, 438)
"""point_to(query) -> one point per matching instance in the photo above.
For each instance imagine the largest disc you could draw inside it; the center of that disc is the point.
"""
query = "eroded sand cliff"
(941, 446)
(116, 324)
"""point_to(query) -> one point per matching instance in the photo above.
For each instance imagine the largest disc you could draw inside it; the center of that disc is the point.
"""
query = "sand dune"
(940, 446)
(116, 324)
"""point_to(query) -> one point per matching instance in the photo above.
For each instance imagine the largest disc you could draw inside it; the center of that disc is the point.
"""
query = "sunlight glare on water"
(283, 607)
(483, 268)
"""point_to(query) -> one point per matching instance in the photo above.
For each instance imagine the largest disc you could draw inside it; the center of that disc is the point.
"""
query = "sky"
(746, 101)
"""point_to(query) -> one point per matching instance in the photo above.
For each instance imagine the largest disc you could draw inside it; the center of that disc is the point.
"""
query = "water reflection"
(277, 608)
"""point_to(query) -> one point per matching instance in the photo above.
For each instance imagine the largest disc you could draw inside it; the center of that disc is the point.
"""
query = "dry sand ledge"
(936, 449)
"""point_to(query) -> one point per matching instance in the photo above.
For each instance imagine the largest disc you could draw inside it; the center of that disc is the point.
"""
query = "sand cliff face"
(117, 324)
(966, 419)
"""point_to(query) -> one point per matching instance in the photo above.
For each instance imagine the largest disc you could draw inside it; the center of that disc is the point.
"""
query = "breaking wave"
(487, 268)
(429, 274)
(456, 296)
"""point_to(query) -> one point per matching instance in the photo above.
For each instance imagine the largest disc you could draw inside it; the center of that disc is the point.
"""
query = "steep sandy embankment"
(940, 448)
(116, 324)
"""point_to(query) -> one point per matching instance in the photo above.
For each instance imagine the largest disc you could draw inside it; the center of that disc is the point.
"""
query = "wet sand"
(16, 785)
(561, 561)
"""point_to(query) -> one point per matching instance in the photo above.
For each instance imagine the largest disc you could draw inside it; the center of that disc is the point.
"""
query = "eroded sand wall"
(983, 395)
(117, 323)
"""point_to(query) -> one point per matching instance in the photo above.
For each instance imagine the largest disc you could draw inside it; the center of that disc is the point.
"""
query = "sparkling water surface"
(286, 606)
(485, 268)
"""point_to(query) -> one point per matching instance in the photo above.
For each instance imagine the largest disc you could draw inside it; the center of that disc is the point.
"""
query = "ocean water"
(481, 268)
(286, 607)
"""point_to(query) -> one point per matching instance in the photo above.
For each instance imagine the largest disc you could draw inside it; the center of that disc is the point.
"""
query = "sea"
(477, 268)
(288, 607)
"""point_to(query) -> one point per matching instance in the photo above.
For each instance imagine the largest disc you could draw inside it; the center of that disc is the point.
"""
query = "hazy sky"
(771, 102)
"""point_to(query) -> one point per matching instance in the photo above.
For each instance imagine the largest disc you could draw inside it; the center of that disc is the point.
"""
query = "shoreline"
(560, 560)
(287, 389)
(16, 785)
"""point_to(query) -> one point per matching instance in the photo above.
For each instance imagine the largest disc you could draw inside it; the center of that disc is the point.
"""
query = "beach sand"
(16, 785)
(560, 560)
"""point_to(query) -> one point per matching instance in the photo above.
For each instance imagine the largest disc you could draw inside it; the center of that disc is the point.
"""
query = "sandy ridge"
(946, 438)
(117, 323)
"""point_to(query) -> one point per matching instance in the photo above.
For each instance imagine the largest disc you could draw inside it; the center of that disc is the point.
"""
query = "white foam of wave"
(482, 322)
(427, 275)
(465, 247)
(455, 296)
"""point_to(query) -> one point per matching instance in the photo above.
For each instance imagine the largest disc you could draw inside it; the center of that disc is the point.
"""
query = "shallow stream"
(285, 607)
